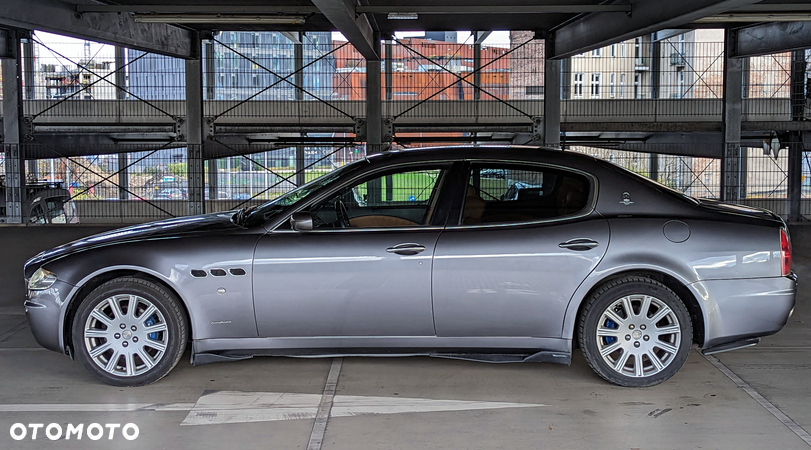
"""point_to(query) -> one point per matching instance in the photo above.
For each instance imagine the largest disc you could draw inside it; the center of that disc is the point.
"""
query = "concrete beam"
(597, 30)
(771, 38)
(55, 16)
(354, 26)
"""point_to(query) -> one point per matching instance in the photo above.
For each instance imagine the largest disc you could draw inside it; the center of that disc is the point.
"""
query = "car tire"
(640, 348)
(136, 344)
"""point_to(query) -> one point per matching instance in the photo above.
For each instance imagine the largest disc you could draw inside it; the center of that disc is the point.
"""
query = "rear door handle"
(580, 244)
(406, 249)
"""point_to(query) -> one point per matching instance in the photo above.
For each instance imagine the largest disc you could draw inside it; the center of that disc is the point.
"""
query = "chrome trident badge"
(626, 199)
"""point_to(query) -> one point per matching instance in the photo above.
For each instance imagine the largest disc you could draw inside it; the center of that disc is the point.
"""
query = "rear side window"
(517, 193)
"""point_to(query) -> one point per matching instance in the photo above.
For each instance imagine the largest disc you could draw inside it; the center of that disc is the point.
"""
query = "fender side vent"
(237, 271)
(197, 273)
(217, 272)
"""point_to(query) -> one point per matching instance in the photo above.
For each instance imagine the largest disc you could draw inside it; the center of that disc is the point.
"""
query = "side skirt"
(199, 359)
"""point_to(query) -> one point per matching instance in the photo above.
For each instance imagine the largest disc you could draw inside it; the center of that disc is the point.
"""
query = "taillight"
(785, 252)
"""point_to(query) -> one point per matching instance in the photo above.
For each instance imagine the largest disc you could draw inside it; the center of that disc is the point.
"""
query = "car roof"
(496, 152)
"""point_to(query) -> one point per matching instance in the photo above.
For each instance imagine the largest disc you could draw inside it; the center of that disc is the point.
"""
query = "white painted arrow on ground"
(240, 407)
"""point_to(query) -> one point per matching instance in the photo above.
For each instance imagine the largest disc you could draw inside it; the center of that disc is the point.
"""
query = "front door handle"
(579, 244)
(406, 249)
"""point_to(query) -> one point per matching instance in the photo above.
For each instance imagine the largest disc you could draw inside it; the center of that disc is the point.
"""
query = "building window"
(578, 85)
(638, 51)
(637, 87)
(534, 90)
(596, 53)
(595, 85)
(613, 50)
(611, 86)
(680, 76)
(622, 49)
(622, 85)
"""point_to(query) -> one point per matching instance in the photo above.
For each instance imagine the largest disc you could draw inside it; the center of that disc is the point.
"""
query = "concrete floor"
(698, 408)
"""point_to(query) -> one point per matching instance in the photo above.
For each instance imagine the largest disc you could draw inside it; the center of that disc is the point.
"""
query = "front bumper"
(44, 310)
(739, 309)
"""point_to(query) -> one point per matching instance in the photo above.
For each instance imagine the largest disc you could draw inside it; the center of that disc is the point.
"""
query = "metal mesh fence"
(267, 75)
(642, 80)
(146, 185)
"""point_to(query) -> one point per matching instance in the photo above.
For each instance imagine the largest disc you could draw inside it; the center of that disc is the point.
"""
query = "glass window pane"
(405, 198)
(503, 194)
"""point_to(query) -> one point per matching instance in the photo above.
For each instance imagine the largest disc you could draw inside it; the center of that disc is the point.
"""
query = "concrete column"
(194, 132)
(551, 99)
(374, 107)
(731, 120)
(795, 148)
(13, 133)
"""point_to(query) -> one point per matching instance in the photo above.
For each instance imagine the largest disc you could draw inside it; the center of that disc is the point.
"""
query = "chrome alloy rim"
(638, 336)
(126, 335)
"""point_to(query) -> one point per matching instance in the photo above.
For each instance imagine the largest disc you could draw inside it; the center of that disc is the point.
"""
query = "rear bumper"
(44, 312)
(735, 310)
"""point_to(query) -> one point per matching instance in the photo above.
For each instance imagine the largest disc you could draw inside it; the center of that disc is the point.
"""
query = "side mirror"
(301, 221)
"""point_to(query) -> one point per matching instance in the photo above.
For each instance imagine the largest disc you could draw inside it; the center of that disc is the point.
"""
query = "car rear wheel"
(635, 331)
(129, 332)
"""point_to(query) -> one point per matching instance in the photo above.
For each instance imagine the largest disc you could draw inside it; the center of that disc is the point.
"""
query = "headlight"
(42, 279)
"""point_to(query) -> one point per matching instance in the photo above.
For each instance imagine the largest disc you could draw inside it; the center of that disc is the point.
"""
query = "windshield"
(267, 211)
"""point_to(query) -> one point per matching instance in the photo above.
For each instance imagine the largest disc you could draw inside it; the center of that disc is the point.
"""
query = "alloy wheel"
(126, 335)
(638, 336)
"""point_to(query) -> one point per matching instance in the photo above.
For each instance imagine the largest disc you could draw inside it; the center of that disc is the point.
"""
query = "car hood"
(163, 229)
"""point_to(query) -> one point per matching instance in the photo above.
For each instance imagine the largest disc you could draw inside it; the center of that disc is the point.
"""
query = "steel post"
(551, 100)
(13, 133)
(795, 146)
(374, 108)
(731, 120)
(194, 132)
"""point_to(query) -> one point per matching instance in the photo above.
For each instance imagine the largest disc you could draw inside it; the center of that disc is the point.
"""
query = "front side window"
(402, 198)
(517, 193)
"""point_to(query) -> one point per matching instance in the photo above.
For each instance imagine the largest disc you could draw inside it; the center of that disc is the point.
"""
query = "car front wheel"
(129, 332)
(635, 331)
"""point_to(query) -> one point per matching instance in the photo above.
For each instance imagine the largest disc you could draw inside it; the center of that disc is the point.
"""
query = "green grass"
(406, 185)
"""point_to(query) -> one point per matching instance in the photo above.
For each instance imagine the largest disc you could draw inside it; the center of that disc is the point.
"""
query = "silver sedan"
(488, 254)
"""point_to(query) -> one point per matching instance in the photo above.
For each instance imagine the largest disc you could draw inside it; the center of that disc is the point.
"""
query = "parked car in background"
(171, 194)
(437, 259)
(46, 202)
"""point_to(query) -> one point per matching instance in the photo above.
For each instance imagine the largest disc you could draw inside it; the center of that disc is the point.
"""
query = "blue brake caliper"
(613, 325)
(149, 322)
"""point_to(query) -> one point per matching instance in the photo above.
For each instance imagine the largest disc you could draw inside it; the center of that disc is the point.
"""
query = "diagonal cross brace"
(463, 79)
(285, 79)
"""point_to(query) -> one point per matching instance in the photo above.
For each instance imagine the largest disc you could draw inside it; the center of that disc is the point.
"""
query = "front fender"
(218, 306)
